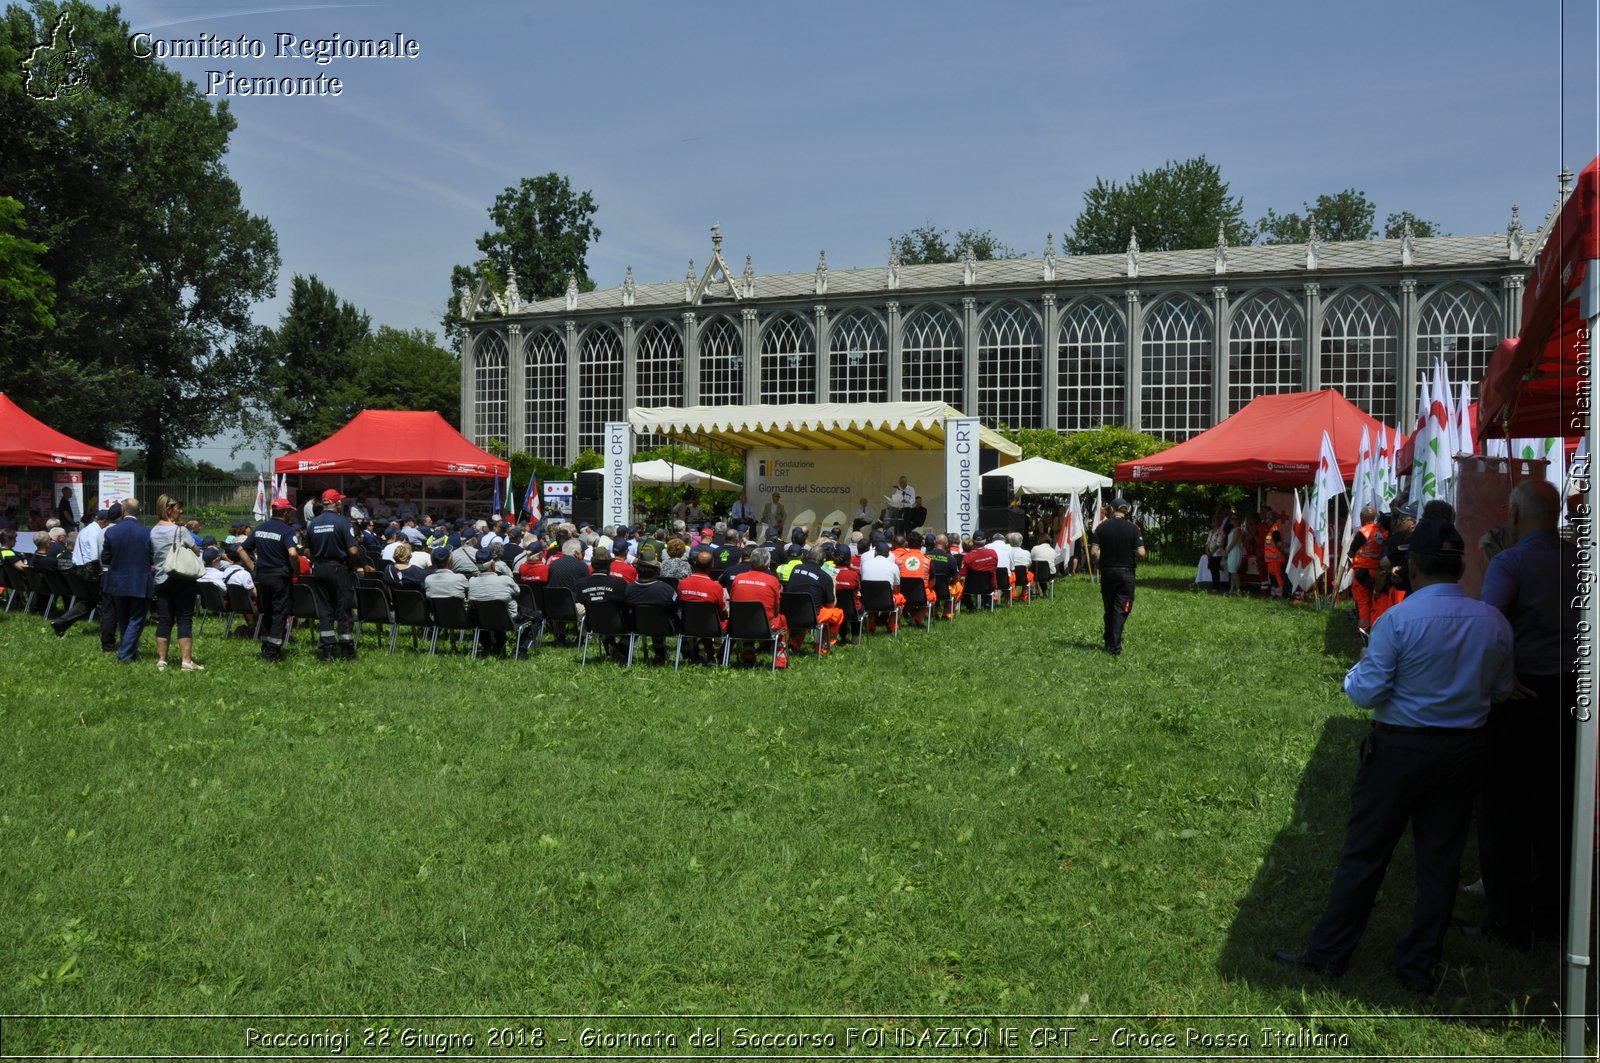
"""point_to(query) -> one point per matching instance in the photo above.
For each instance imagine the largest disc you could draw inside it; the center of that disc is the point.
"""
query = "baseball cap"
(600, 554)
(1409, 509)
(331, 495)
(102, 514)
(211, 554)
(648, 555)
(279, 504)
(485, 556)
(210, 540)
(114, 511)
(441, 554)
(1437, 538)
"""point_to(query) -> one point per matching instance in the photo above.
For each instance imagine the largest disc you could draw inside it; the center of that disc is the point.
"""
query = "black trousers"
(333, 589)
(1428, 780)
(1116, 594)
(272, 597)
(91, 599)
(1525, 813)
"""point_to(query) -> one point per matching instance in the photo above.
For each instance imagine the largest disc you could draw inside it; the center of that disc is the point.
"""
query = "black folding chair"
(1002, 587)
(83, 591)
(854, 622)
(655, 622)
(800, 611)
(877, 596)
(372, 607)
(11, 580)
(215, 603)
(603, 618)
(980, 588)
(915, 591)
(242, 603)
(1044, 577)
(452, 614)
(60, 589)
(302, 606)
(493, 617)
(561, 607)
(747, 622)
(943, 601)
(701, 620)
(411, 610)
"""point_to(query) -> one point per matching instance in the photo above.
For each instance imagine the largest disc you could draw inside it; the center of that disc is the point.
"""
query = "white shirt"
(882, 568)
(91, 537)
(1002, 554)
(903, 497)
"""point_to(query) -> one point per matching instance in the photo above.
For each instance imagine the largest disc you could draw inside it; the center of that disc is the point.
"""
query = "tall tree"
(543, 232)
(406, 369)
(314, 353)
(1343, 216)
(1177, 206)
(927, 244)
(117, 162)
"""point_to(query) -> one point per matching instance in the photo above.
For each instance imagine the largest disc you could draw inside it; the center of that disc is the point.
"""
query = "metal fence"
(232, 495)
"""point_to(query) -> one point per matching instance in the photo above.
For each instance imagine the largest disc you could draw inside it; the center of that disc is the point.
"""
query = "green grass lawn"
(993, 819)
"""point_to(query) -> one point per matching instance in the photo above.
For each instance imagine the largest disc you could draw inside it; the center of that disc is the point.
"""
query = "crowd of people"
(124, 565)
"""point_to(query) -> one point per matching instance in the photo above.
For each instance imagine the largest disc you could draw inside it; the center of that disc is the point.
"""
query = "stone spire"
(893, 279)
(1049, 256)
(1408, 245)
(749, 278)
(572, 291)
(513, 296)
(822, 272)
(1313, 245)
(1133, 252)
(1220, 265)
(628, 289)
(969, 266)
(1514, 237)
(688, 283)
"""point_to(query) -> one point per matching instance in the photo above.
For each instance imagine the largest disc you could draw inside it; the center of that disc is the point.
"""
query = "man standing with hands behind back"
(1118, 548)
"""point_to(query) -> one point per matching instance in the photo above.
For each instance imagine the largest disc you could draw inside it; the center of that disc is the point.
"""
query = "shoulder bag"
(182, 562)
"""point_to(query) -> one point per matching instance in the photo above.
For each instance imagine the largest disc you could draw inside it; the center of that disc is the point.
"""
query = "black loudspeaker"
(588, 487)
(993, 519)
(586, 509)
(996, 492)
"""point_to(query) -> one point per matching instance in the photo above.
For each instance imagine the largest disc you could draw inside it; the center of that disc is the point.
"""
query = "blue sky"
(835, 125)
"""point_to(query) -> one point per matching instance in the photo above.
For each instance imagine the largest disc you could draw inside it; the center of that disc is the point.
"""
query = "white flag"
(1301, 569)
(1363, 484)
(1328, 485)
(1467, 444)
(259, 510)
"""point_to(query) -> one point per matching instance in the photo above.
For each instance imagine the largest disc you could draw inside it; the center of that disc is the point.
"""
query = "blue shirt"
(1534, 583)
(1438, 659)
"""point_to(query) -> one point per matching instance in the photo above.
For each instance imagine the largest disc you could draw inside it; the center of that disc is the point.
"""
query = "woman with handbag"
(177, 567)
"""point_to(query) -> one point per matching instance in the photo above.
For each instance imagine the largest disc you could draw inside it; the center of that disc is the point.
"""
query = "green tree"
(543, 231)
(1178, 206)
(1395, 224)
(927, 244)
(26, 290)
(406, 369)
(1175, 515)
(156, 262)
(312, 390)
(1343, 216)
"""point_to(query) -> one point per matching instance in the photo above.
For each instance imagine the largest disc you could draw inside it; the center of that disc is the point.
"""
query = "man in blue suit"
(126, 576)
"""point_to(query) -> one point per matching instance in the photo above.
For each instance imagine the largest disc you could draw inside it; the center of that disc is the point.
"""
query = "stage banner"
(961, 483)
(821, 488)
(114, 487)
(617, 495)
